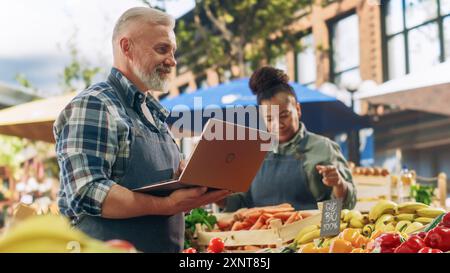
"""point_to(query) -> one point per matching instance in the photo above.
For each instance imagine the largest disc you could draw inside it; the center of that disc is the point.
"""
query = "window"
(345, 49)
(306, 68)
(417, 35)
(447, 37)
(423, 47)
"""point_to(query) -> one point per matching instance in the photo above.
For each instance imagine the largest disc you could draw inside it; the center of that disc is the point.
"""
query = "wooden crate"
(370, 189)
(276, 235)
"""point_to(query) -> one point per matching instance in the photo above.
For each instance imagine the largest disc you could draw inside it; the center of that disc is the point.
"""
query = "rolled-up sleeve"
(86, 147)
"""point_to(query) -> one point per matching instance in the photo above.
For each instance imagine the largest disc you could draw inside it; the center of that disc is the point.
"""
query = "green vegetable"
(422, 194)
(197, 216)
(435, 222)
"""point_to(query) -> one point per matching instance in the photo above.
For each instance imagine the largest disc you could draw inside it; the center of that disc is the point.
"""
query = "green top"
(314, 150)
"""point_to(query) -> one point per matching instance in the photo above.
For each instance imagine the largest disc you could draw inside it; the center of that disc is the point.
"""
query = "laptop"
(228, 156)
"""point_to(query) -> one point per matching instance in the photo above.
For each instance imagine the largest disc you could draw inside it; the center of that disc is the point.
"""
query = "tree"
(77, 71)
(223, 34)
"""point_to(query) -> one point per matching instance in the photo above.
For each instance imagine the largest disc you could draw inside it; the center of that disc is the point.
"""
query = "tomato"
(190, 250)
(122, 244)
(216, 245)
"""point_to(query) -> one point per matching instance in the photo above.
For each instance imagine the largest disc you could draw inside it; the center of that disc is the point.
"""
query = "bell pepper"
(422, 234)
(341, 246)
(308, 248)
(429, 250)
(439, 238)
(446, 220)
(387, 242)
(412, 245)
(353, 236)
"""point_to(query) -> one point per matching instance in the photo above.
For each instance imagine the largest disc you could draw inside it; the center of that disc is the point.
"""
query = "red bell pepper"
(412, 245)
(388, 242)
(429, 250)
(421, 234)
(439, 238)
(446, 220)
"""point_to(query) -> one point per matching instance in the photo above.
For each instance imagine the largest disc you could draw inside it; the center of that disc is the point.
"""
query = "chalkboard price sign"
(331, 218)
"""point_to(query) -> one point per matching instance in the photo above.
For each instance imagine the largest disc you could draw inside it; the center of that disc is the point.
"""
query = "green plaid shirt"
(93, 135)
(315, 150)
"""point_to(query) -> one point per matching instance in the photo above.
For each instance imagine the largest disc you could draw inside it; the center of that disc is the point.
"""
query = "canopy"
(427, 90)
(33, 120)
(320, 113)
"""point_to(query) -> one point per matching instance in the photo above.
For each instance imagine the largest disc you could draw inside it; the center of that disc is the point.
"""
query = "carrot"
(238, 225)
(225, 224)
(298, 217)
(276, 210)
(305, 214)
(259, 223)
(251, 248)
(291, 218)
(283, 215)
(253, 217)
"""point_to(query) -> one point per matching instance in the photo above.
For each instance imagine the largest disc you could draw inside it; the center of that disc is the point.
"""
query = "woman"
(304, 168)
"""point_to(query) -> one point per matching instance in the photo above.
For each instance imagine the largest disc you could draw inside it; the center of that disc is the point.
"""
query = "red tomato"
(190, 250)
(216, 245)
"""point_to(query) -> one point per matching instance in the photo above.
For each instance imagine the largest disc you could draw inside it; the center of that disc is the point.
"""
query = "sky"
(35, 36)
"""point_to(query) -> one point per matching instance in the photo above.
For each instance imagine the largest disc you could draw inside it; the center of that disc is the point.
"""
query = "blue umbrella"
(320, 113)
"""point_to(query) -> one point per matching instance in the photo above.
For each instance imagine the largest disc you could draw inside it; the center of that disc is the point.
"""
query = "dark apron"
(281, 179)
(154, 156)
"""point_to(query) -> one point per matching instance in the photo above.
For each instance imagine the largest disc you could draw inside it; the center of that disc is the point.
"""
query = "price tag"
(331, 218)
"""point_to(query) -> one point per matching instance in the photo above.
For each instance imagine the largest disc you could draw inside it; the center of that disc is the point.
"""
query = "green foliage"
(422, 194)
(76, 71)
(197, 216)
(10, 147)
(221, 34)
(23, 81)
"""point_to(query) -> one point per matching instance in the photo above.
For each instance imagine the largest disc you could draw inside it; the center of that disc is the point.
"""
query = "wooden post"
(442, 186)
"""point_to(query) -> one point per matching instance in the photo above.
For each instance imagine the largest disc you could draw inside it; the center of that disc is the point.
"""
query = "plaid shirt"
(93, 135)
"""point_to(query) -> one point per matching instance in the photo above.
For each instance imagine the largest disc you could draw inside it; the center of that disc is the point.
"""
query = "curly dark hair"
(268, 81)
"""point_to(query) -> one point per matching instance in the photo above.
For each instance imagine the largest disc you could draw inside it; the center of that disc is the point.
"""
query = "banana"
(48, 233)
(424, 220)
(402, 225)
(430, 212)
(343, 226)
(309, 237)
(383, 220)
(413, 227)
(382, 207)
(304, 231)
(356, 223)
(344, 213)
(353, 214)
(389, 227)
(368, 229)
(405, 217)
(411, 207)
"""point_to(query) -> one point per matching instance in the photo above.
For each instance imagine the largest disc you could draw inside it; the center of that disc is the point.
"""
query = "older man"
(112, 137)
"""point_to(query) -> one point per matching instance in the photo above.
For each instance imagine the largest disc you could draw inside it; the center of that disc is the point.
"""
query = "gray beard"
(152, 81)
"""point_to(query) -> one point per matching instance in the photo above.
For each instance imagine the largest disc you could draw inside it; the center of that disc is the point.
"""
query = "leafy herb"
(422, 194)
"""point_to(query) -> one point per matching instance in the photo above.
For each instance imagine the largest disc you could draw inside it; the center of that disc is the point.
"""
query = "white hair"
(143, 15)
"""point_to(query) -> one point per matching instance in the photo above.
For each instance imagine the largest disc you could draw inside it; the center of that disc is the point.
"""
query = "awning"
(320, 113)
(33, 120)
(427, 91)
